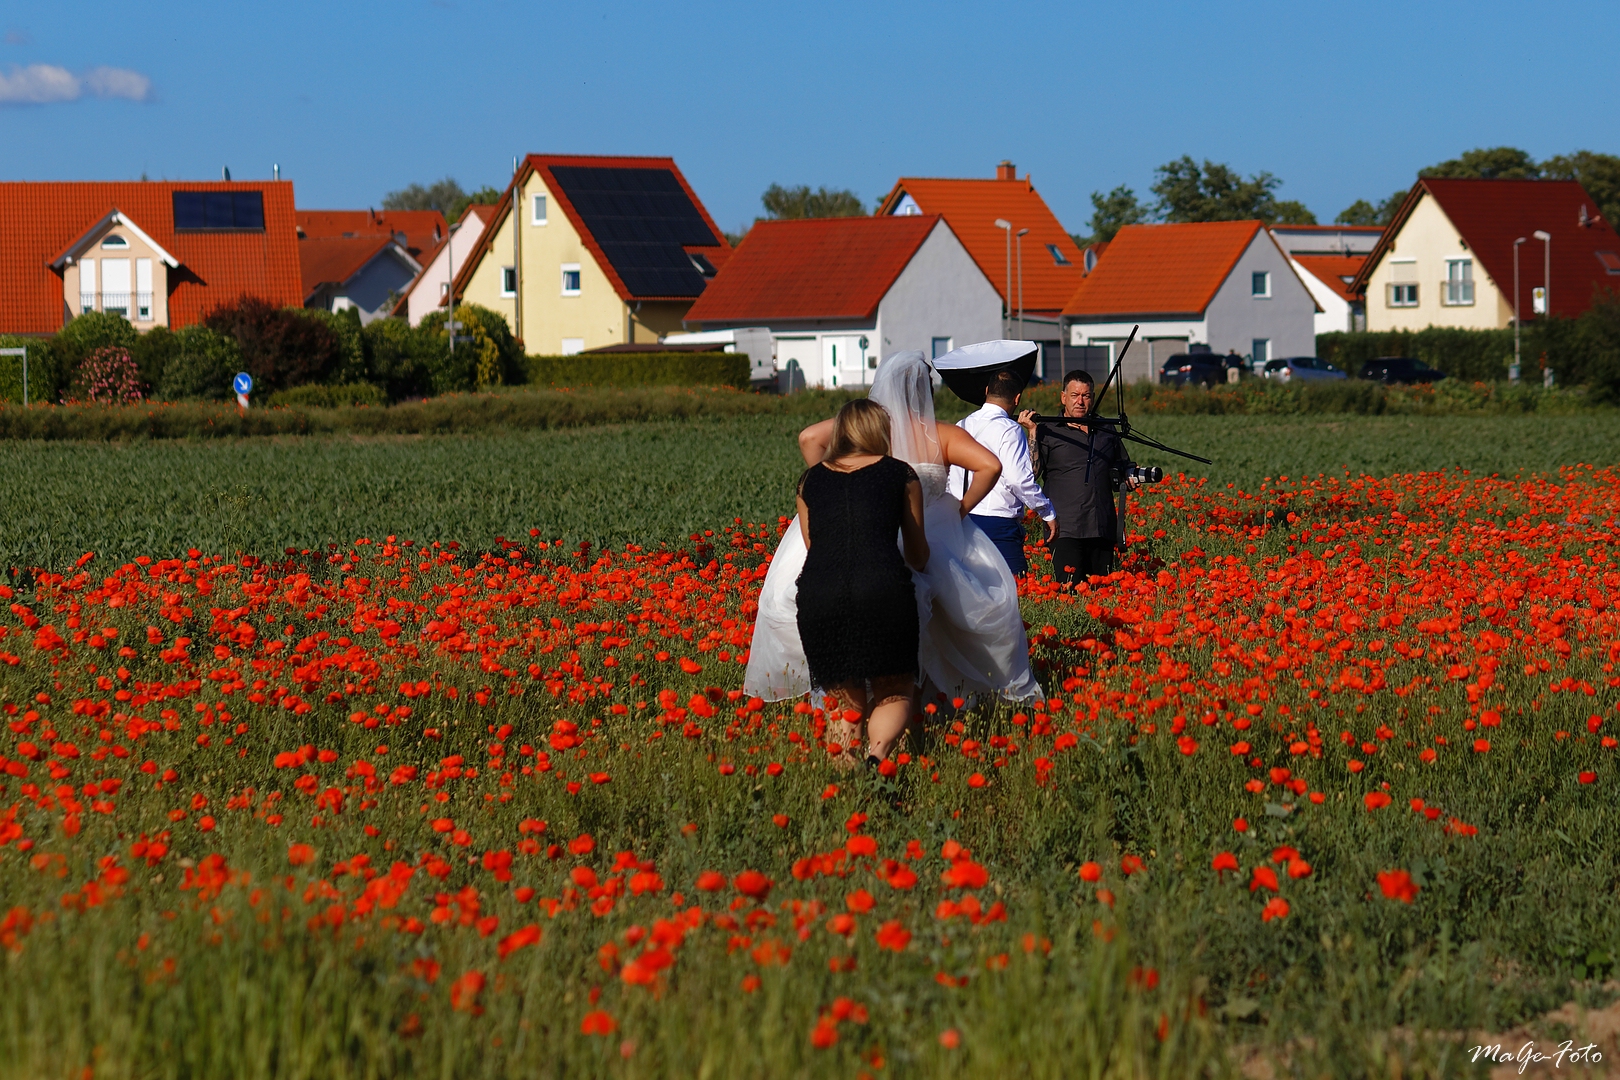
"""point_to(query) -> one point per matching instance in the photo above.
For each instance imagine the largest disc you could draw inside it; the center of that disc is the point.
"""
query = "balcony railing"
(1457, 293)
(119, 304)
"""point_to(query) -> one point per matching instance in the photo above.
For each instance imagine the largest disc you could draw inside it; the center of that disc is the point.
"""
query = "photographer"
(1078, 466)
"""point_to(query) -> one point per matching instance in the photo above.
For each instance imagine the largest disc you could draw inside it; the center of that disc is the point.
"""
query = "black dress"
(857, 606)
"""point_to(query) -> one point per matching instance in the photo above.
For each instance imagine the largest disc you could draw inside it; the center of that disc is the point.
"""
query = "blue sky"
(1341, 101)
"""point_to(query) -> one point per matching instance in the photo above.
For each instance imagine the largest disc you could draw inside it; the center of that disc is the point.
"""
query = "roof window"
(115, 241)
(1610, 261)
(1057, 256)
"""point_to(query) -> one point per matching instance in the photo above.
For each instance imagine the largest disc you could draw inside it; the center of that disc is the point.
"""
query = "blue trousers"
(1008, 536)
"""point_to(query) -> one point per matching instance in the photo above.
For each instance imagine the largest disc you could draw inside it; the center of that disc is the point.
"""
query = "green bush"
(401, 359)
(345, 326)
(201, 366)
(84, 334)
(492, 358)
(151, 353)
(280, 347)
(315, 396)
(11, 368)
(640, 369)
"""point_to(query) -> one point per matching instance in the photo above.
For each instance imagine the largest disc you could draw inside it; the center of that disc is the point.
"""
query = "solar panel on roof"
(219, 210)
(642, 219)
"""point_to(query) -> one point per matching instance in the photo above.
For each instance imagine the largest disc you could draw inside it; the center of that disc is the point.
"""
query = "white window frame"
(1448, 295)
(1394, 303)
(508, 274)
(570, 268)
(1265, 294)
(537, 209)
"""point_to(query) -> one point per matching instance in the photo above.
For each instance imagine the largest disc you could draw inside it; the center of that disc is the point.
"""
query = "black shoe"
(872, 762)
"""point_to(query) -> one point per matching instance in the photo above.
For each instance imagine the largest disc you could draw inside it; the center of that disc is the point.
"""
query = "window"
(1459, 284)
(570, 279)
(573, 346)
(143, 290)
(704, 266)
(219, 210)
(115, 241)
(1260, 351)
(508, 281)
(1610, 261)
(1260, 283)
(1057, 256)
(537, 214)
(1403, 286)
(942, 345)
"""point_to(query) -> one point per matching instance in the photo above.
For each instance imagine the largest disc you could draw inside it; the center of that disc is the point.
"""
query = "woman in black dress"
(857, 609)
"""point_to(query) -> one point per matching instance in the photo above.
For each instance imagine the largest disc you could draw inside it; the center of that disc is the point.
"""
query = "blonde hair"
(861, 427)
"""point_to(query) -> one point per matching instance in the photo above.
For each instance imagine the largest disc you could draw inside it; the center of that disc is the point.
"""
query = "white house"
(363, 272)
(431, 289)
(838, 294)
(1327, 259)
(1224, 284)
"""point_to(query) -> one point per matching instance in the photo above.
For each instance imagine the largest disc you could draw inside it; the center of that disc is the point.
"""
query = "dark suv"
(1194, 369)
(1400, 369)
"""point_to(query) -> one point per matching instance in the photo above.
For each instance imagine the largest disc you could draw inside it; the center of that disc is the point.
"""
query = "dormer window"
(115, 242)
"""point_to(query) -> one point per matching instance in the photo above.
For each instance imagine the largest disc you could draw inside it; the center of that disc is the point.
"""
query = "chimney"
(1005, 171)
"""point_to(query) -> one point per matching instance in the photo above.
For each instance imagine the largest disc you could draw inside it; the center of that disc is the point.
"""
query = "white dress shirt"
(999, 433)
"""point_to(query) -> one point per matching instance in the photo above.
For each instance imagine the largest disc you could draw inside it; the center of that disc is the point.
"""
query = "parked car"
(1297, 368)
(1400, 369)
(1195, 369)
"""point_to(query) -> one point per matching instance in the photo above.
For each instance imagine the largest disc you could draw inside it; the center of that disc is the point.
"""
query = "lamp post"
(1021, 233)
(1546, 270)
(1516, 319)
(450, 284)
(1006, 226)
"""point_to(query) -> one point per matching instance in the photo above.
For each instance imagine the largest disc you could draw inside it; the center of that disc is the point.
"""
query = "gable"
(1165, 270)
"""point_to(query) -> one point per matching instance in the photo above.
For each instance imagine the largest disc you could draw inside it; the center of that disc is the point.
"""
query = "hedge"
(640, 369)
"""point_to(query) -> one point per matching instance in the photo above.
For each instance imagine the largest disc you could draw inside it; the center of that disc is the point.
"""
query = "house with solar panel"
(158, 253)
(839, 294)
(588, 252)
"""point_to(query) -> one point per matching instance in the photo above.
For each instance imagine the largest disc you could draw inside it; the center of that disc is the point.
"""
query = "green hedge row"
(640, 369)
(1449, 397)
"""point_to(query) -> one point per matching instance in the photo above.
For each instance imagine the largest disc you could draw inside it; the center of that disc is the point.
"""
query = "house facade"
(584, 252)
(158, 253)
(1328, 259)
(431, 289)
(368, 273)
(838, 294)
(1034, 274)
(1226, 285)
(1447, 259)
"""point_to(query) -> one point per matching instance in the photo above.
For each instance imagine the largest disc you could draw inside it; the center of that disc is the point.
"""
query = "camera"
(1142, 474)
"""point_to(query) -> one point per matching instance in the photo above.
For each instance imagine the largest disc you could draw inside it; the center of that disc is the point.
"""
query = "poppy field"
(1324, 777)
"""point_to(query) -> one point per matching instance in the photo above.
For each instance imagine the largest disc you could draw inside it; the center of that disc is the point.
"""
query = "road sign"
(455, 325)
(243, 383)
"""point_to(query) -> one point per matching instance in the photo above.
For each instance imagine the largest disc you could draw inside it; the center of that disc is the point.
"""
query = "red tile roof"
(424, 229)
(1491, 214)
(971, 207)
(40, 219)
(1163, 269)
(820, 268)
(1337, 272)
(333, 260)
(543, 164)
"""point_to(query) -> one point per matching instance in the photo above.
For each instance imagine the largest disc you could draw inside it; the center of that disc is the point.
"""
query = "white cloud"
(44, 84)
(111, 82)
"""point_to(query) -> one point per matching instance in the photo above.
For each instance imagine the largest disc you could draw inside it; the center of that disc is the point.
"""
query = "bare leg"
(890, 715)
(847, 733)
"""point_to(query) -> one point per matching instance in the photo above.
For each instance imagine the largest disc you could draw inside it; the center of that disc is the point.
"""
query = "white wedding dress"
(972, 639)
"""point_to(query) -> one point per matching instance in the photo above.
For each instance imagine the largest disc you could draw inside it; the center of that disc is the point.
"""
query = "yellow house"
(601, 251)
(1448, 257)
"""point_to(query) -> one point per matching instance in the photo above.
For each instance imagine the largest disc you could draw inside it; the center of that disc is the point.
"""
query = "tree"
(445, 196)
(1362, 212)
(1496, 163)
(783, 204)
(1216, 192)
(1599, 174)
(1111, 213)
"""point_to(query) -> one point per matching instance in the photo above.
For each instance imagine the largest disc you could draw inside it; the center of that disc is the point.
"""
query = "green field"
(646, 484)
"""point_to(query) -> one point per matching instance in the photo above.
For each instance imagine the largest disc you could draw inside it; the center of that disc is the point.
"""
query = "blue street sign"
(243, 383)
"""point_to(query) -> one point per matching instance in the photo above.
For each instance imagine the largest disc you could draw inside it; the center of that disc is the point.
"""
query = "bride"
(972, 636)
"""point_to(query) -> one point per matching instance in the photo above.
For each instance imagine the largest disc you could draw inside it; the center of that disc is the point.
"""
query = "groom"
(1001, 513)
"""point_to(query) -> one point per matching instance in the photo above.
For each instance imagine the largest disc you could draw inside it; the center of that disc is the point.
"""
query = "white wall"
(424, 299)
(1154, 342)
(1287, 318)
(1335, 313)
(941, 293)
(388, 273)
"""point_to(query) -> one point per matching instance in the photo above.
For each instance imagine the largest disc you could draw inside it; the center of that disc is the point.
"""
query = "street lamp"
(1006, 226)
(1546, 270)
(450, 284)
(1516, 319)
(1021, 233)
